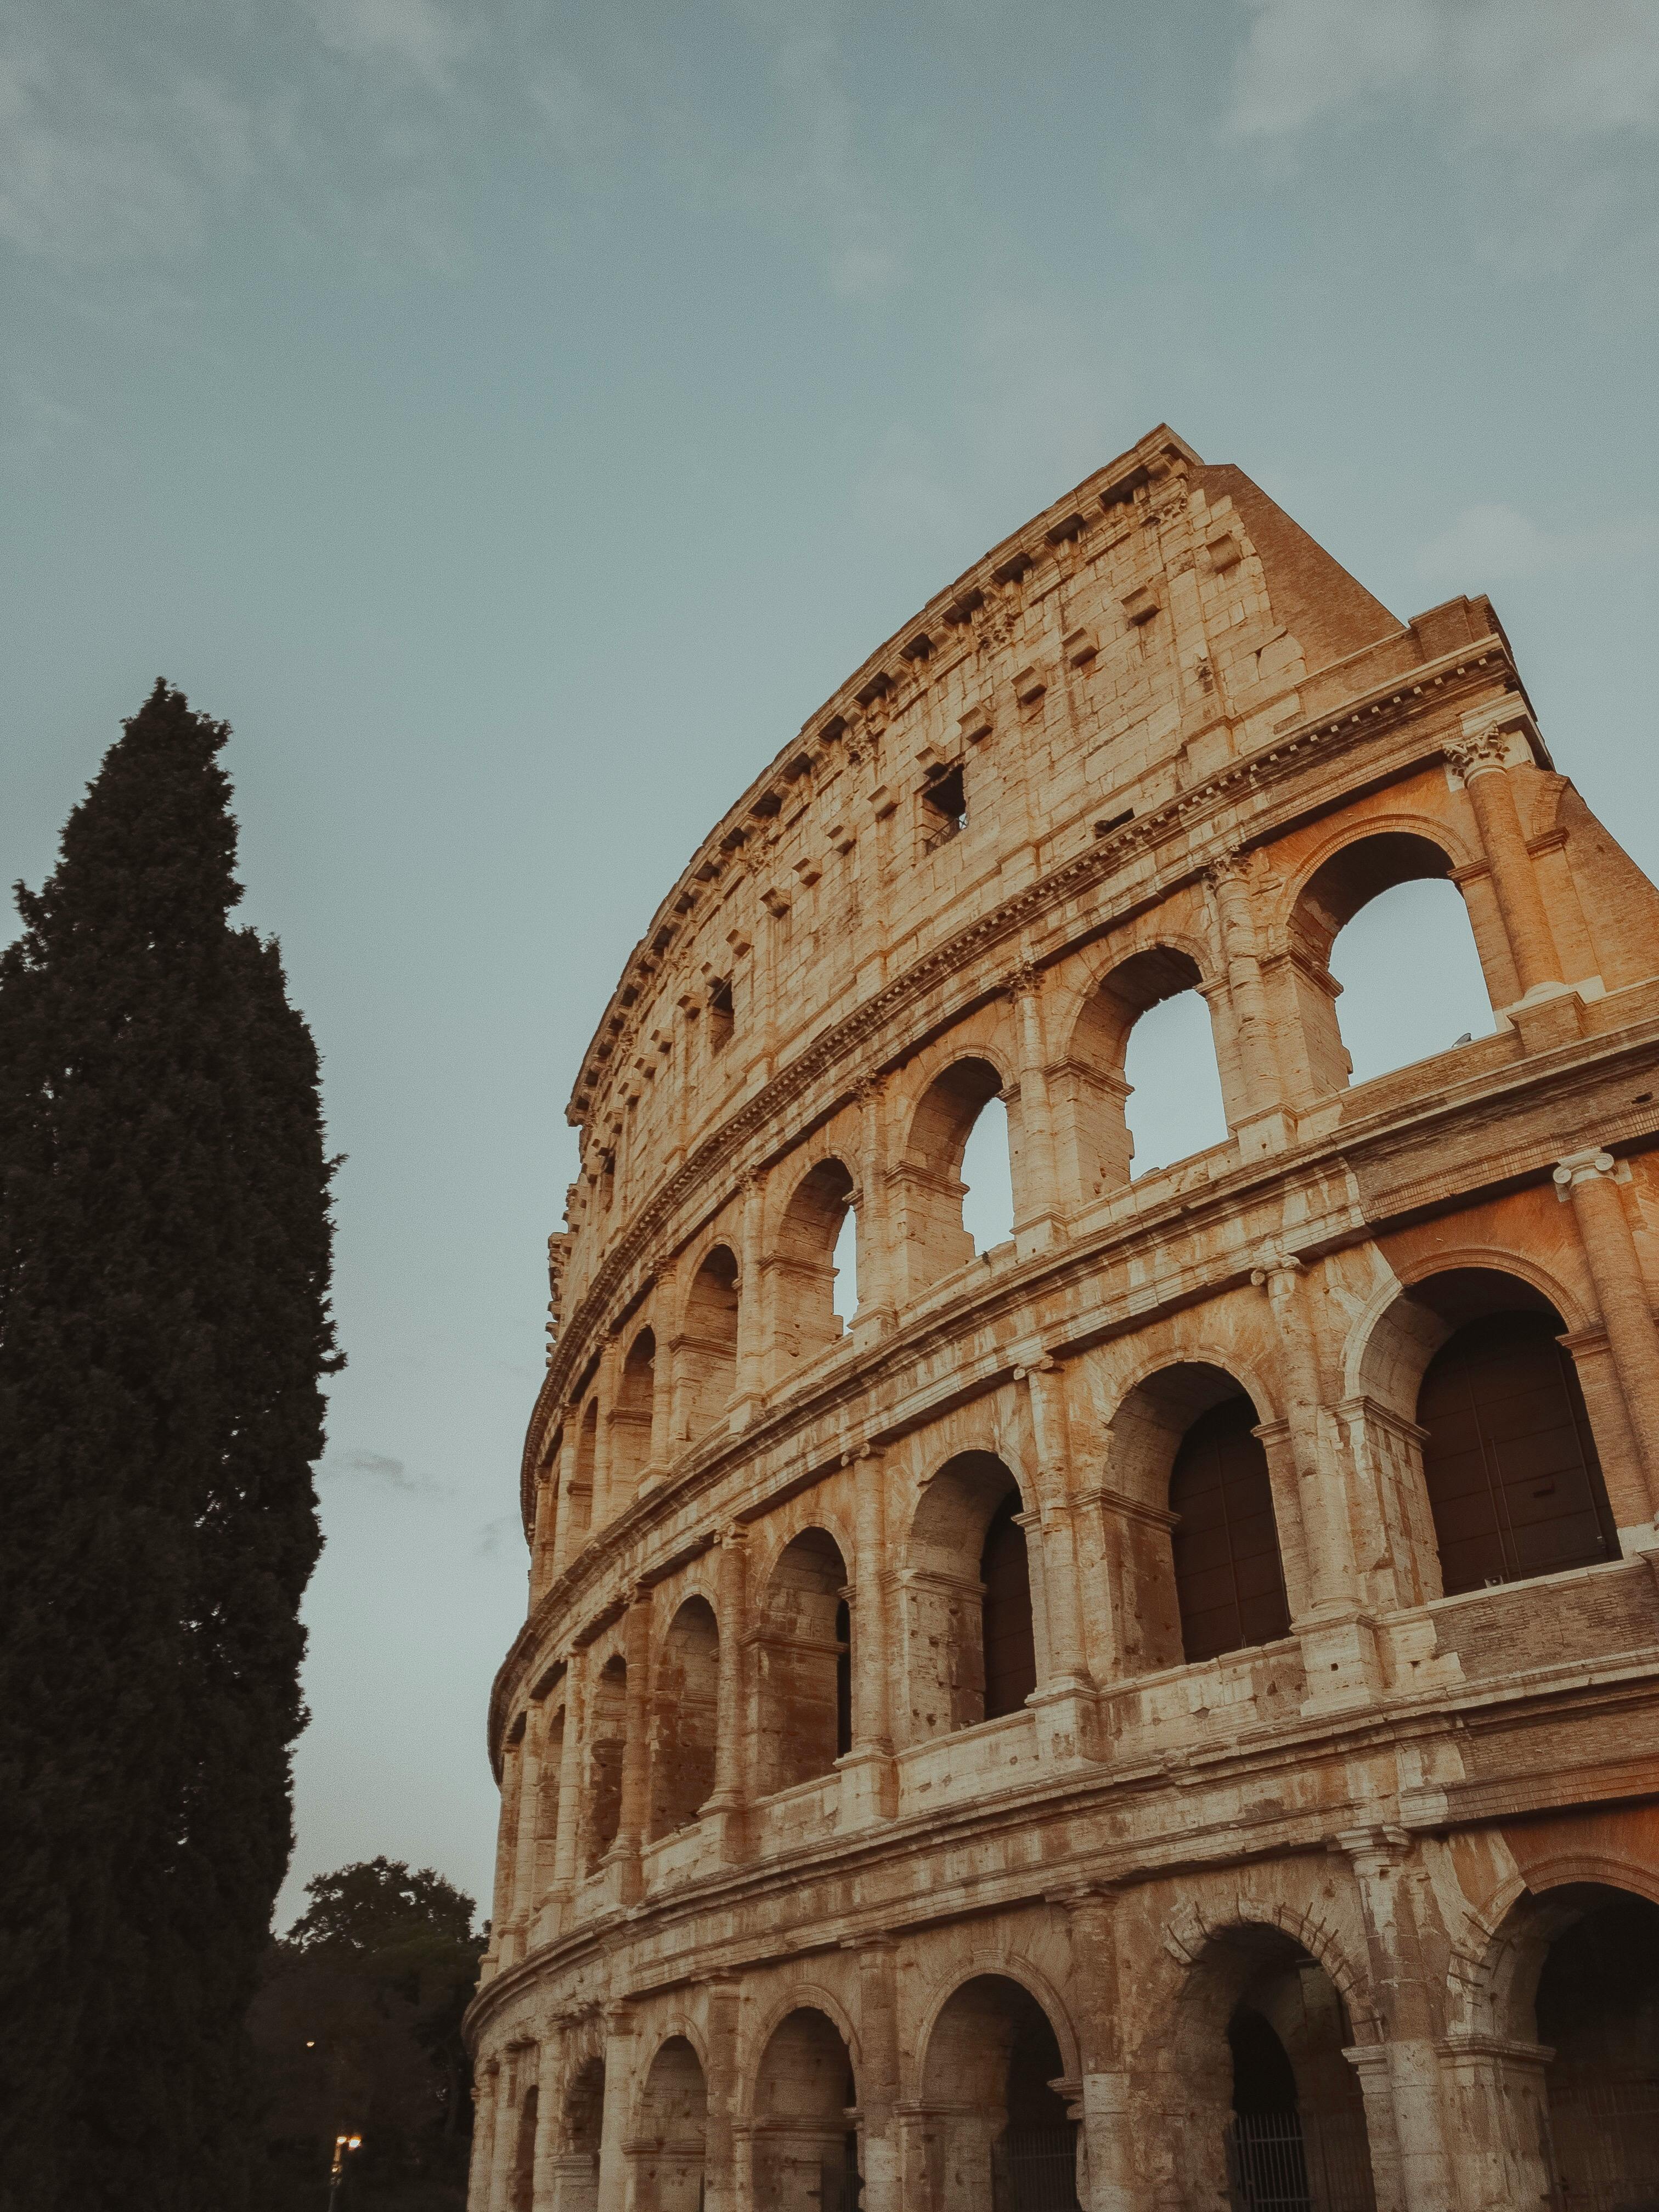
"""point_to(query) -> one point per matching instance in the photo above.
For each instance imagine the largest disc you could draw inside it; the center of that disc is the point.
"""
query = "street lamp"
(342, 2144)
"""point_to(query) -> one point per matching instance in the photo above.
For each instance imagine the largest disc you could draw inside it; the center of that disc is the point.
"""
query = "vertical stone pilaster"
(486, 2090)
(505, 2149)
(1410, 1998)
(878, 2086)
(1039, 1211)
(875, 1312)
(1481, 760)
(524, 1841)
(1110, 2181)
(570, 1778)
(729, 1801)
(754, 1285)
(635, 1812)
(612, 2195)
(1261, 1120)
(500, 1953)
(720, 2142)
(869, 1785)
(666, 1302)
(548, 2074)
(1587, 1180)
(605, 1390)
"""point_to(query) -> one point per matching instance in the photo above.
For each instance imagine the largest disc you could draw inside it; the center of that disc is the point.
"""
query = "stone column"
(548, 2070)
(1045, 1384)
(1039, 1210)
(1108, 2132)
(634, 1811)
(500, 1909)
(612, 2194)
(570, 1782)
(564, 1535)
(875, 1312)
(1480, 761)
(524, 1841)
(662, 1392)
(543, 1525)
(505, 2149)
(1589, 1181)
(728, 1803)
(1338, 1641)
(605, 1389)
(1409, 1995)
(878, 2083)
(486, 2090)
(753, 1329)
(869, 1785)
(1258, 1062)
(720, 2177)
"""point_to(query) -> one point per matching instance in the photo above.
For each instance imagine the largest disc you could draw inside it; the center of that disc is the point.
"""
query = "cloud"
(380, 1468)
(1490, 545)
(416, 36)
(493, 1534)
(1564, 68)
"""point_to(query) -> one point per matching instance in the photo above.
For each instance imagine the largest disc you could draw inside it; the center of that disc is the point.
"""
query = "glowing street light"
(343, 2145)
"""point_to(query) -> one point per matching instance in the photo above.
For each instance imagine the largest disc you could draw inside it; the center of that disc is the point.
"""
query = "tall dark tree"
(164, 1326)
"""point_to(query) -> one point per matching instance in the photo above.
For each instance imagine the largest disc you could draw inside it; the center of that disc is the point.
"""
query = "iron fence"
(1035, 2170)
(1605, 2140)
(1283, 2161)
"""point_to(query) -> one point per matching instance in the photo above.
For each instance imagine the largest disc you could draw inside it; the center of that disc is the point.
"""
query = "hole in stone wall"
(988, 1207)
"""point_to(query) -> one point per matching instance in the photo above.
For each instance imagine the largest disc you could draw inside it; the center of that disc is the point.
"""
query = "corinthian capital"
(1479, 755)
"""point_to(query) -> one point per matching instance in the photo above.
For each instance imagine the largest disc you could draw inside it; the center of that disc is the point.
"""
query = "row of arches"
(1512, 1488)
(959, 1168)
(1258, 2091)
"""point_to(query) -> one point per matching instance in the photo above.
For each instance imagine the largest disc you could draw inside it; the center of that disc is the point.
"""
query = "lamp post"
(342, 2145)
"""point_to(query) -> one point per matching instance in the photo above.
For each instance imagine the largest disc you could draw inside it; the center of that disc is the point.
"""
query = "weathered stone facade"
(1271, 1855)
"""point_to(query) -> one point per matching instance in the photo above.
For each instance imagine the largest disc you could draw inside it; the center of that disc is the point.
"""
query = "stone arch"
(804, 1691)
(801, 1267)
(1257, 2080)
(929, 1238)
(1361, 861)
(1199, 1564)
(630, 1421)
(671, 2129)
(522, 2179)
(1490, 1461)
(971, 1649)
(706, 1354)
(1091, 1091)
(1001, 2129)
(1008, 1964)
(685, 1711)
(1562, 2015)
(580, 2132)
(803, 2144)
(607, 1738)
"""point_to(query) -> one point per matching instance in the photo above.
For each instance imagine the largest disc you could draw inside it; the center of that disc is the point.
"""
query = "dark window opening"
(1230, 1584)
(1514, 1485)
(944, 807)
(722, 1016)
(1010, 1650)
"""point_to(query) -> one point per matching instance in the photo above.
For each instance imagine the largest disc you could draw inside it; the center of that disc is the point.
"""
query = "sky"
(516, 419)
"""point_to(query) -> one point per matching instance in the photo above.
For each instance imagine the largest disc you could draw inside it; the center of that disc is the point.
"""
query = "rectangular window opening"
(721, 1016)
(944, 807)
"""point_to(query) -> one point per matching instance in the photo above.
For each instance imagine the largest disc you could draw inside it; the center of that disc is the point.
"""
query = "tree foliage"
(164, 1262)
(358, 2028)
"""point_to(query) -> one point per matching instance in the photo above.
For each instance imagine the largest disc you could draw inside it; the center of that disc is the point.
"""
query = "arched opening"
(844, 1267)
(671, 2132)
(1002, 2134)
(521, 2195)
(931, 1239)
(1228, 1576)
(687, 1703)
(988, 1177)
(804, 1677)
(1514, 1482)
(805, 2149)
(1149, 1008)
(581, 2135)
(708, 1346)
(581, 1481)
(608, 1736)
(630, 1422)
(1410, 978)
(971, 1652)
(815, 1225)
(1275, 2113)
(1417, 991)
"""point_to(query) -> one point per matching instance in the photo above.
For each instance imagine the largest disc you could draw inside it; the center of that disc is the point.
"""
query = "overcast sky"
(515, 419)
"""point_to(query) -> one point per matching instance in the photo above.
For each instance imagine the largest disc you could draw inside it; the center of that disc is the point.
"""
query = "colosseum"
(1162, 1711)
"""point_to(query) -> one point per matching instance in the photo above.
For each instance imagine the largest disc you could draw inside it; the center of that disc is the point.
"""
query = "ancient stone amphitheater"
(1160, 1712)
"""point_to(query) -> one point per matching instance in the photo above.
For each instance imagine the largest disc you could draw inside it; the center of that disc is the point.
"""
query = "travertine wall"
(772, 1893)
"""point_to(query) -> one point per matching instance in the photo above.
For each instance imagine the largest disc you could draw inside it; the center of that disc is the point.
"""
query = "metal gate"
(1278, 2162)
(1606, 2142)
(1035, 2170)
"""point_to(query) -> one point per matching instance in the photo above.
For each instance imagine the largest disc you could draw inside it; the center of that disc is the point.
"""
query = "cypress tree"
(164, 1326)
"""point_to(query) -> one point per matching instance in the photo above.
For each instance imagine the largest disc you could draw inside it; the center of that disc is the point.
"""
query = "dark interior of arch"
(1229, 1580)
(1598, 2009)
(1515, 1483)
(1009, 1646)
